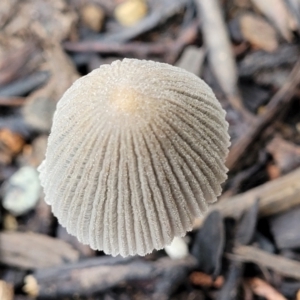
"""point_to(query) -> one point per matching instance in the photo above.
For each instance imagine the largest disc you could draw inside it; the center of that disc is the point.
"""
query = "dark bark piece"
(34, 251)
(11, 144)
(16, 124)
(233, 280)
(84, 250)
(254, 96)
(289, 289)
(247, 224)
(168, 49)
(25, 85)
(100, 274)
(40, 105)
(285, 229)
(13, 276)
(260, 60)
(170, 277)
(42, 219)
(284, 266)
(278, 102)
(209, 244)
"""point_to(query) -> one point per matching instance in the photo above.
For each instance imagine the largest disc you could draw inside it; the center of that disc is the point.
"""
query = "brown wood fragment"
(285, 154)
(280, 100)
(298, 295)
(263, 289)
(283, 266)
(11, 101)
(34, 251)
(10, 145)
(274, 197)
(202, 279)
(6, 291)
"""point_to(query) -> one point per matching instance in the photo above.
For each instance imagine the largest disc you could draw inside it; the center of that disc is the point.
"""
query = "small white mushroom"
(136, 153)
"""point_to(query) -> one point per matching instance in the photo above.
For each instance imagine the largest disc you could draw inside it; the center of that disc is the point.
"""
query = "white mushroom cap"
(136, 153)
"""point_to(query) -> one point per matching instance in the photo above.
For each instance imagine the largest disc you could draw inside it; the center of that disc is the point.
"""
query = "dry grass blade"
(220, 52)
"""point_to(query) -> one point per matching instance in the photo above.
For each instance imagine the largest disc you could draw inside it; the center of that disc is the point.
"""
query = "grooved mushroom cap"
(136, 152)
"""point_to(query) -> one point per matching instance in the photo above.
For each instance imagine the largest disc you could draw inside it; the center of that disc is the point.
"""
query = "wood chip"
(6, 291)
(202, 279)
(34, 251)
(263, 289)
(259, 33)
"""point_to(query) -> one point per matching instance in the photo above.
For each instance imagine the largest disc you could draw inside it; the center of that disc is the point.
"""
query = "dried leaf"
(258, 32)
(276, 11)
(6, 291)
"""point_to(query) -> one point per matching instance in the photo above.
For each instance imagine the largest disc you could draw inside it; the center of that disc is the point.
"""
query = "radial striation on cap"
(136, 153)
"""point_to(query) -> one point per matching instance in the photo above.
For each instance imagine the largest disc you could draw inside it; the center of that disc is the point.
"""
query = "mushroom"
(136, 153)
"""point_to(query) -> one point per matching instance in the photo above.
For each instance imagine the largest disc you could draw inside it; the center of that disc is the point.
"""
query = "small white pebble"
(177, 249)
